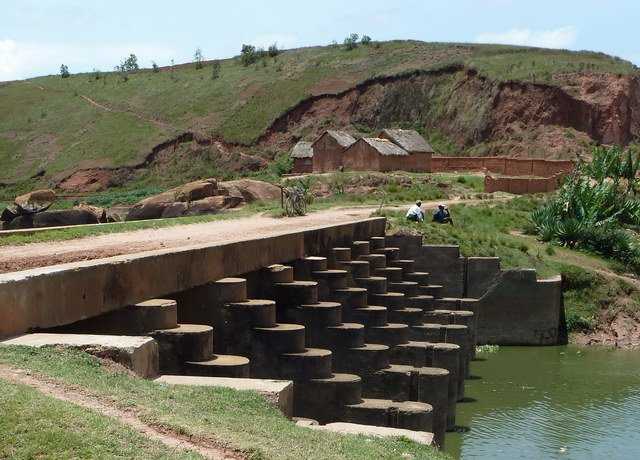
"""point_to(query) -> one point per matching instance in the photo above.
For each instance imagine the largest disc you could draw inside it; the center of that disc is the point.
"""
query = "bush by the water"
(597, 208)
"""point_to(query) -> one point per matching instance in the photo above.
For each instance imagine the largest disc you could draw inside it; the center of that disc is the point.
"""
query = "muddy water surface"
(550, 402)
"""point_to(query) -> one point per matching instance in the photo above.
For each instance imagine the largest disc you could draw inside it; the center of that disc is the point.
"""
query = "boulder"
(192, 191)
(213, 204)
(143, 211)
(176, 209)
(36, 201)
(63, 218)
(251, 190)
(100, 213)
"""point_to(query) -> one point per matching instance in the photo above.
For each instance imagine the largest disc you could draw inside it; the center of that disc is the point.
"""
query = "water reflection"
(551, 402)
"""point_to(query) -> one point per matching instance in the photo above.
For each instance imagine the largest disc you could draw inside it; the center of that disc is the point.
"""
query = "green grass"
(55, 129)
(37, 426)
(487, 230)
(243, 420)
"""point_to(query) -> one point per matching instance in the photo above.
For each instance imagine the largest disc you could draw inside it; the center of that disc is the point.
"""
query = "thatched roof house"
(408, 139)
(328, 149)
(377, 154)
(302, 154)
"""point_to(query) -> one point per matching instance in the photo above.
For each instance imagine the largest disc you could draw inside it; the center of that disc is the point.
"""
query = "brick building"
(376, 154)
(302, 154)
(329, 148)
(420, 151)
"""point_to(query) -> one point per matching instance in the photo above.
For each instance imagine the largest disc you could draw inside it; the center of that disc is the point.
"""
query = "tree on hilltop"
(248, 55)
(351, 42)
(64, 71)
(198, 58)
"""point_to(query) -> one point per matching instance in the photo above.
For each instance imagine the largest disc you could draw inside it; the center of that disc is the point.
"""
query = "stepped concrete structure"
(341, 326)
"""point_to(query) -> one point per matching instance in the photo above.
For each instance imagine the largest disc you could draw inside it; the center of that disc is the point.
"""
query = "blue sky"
(36, 36)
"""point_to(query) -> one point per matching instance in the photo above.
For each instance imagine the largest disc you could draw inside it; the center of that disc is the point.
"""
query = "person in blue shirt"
(442, 215)
(415, 213)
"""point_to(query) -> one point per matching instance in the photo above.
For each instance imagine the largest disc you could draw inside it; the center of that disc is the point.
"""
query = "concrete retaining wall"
(513, 306)
(62, 294)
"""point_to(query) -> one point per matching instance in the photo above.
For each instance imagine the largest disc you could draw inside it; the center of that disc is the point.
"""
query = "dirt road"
(23, 257)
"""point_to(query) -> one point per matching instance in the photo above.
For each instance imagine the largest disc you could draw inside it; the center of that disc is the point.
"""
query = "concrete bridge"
(339, 323)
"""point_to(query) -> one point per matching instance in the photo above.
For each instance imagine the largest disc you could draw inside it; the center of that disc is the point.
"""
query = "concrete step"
(408, 288)
(332, 279)
(138, 319)
(313, 363)
(252, 313)
(357, 268)
(367, 358)
(390, 334)
(140, 354)
(425, 302)
(391, 300)
(346, 335)
(409, 415)
(390, 253)
(295, 293)
(373, 284)
(376, 242)
(359, 248)
(420, 437)
(337, 255)
(187, 342)
(349, 298)
(281, 338)
(321, 314)
(302, 268)
(219, 366)
(324, 400)
(447, 303)
(422, 278)
(407, 315)
(370, 316)
(407, 265)
(278, 274)
(230, 289)
(276, 392)
(434, 290)
(375, 261)
(393, 274)
(407, 383)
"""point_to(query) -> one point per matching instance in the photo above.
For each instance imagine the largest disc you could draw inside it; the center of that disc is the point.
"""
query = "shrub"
(198, 58)
(155, 67)
(215, 70)
(365, 40)
(351, 42)
(248, 55)
(64, 71)
(273, 50)
(283, 164)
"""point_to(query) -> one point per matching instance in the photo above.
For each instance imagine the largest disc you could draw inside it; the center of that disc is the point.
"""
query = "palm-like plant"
(596, 206)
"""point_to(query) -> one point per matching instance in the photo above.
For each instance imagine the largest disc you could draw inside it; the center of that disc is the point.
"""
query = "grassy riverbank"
(593, 290)
(242, 421)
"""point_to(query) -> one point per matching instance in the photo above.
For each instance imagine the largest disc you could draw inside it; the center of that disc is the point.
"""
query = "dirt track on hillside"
(24, 257)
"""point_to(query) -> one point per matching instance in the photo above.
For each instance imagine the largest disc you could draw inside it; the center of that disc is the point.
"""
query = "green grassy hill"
(51, 126)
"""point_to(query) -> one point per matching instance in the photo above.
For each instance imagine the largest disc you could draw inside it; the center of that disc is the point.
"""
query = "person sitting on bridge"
(442, 215)
(415, 213)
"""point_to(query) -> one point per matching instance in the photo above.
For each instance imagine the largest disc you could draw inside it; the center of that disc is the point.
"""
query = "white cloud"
(562, 37)
(23, 60)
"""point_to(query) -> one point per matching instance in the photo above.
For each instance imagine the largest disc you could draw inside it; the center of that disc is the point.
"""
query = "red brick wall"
(521, 185)
(327, 154)
(362, 157)
(302, 165)
(502, 165)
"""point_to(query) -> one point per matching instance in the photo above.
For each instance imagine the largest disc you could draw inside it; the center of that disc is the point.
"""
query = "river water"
(550, 402)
